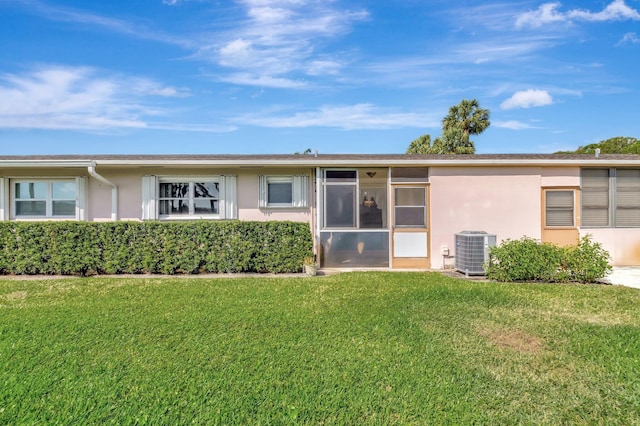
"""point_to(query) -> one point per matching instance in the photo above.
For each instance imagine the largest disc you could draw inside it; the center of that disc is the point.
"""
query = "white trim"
(263, 189)
(35, 163)
(228, 197)
(4, 199)
(149, 197)
(322, 160)
(300, 191)
(81, 198)
(384, 162)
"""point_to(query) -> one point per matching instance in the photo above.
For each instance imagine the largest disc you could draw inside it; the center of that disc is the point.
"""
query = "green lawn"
(372, 348)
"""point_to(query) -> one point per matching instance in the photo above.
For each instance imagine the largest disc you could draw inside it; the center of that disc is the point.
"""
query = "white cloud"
(527, 98)
(349, 117)
(512, 125)
(323, 67)
(629, 38)
(548, 13)
(616, 11)
(279, 40)
(82, 98)
(249, 79)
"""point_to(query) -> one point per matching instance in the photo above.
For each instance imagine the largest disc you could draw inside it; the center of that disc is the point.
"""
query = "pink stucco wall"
(248, 187)
(501, 201)
(129, 184)
(560, 177)
(623, 244)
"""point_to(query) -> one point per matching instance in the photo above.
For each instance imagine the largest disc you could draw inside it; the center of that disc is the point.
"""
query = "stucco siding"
(501, 201)
(248, 197)
(129, 184)
(560, 177)
(623, 244)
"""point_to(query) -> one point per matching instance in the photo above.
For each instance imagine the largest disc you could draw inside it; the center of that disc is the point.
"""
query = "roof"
(321, 160)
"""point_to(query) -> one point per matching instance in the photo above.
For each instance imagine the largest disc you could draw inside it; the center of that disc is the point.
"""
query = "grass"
(372, 348)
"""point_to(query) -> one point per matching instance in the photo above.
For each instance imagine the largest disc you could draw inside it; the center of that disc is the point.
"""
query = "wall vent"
(472, 251)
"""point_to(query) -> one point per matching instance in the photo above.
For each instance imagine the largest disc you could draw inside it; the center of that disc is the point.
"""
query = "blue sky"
(342, 76)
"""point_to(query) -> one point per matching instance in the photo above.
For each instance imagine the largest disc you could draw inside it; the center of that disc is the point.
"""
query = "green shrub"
(587, 261)
(81, 248)
(527, 259)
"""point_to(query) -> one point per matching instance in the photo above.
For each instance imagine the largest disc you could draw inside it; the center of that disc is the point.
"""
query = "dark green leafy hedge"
(81, 248)
(527, 259)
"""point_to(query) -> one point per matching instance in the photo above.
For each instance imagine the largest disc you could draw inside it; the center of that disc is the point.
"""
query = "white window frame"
(227, 195)
(299, 191)
(80, 209)
(190, 199)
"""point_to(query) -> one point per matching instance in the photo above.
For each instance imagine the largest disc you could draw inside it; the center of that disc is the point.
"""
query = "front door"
(410, 237)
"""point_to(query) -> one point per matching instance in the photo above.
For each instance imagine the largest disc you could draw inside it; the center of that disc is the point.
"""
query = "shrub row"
(81, 248)
(527, 259)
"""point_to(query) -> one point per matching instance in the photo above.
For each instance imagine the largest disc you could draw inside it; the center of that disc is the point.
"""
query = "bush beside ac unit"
(472, 251)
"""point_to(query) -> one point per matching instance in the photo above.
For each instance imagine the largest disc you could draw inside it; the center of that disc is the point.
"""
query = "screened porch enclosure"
(354, 228)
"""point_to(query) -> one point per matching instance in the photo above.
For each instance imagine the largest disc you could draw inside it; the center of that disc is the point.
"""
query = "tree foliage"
(453, 141)
(468, 117)
(464, 119)
(615, 145)
(421, 145)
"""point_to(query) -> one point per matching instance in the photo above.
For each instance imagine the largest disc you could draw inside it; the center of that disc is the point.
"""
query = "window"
(189, 198)
(284, 191)
(627, 198)
(355, 198)
(611, 197)
(410, 207)
(595, 197)
(167, 197)
(559, 208)
(409, 174)
(340, 192)
(44, 198)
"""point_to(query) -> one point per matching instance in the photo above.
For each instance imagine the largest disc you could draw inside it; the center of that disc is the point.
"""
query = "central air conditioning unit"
(472, 251)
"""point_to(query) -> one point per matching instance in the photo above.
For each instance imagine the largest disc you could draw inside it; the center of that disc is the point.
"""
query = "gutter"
(372, 162)
(114, 189)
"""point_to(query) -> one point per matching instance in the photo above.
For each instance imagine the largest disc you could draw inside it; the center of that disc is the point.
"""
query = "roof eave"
(374, 162)
(45, 163)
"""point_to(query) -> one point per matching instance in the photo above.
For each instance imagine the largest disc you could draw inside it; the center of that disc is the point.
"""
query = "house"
(387, 211)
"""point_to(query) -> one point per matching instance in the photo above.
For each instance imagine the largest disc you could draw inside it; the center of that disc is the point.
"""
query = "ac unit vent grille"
(472, 251)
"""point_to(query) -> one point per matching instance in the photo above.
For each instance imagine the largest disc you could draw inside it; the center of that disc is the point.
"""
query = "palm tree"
(468, 117)
(422, 145)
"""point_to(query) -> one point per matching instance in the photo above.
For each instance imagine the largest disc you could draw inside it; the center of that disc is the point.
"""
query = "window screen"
(595, 197)
(410, 207)
(559, 208)
(627, 198)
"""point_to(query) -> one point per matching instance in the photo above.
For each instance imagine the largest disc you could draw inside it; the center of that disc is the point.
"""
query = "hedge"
(527, 259)
(191, 247)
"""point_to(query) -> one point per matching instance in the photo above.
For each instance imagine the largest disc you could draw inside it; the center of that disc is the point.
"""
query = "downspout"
(318, 221)
(114, 189)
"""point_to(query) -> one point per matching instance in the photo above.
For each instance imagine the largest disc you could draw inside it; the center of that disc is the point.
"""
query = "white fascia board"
(372, 162)
(45, 163)
(322, 162)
